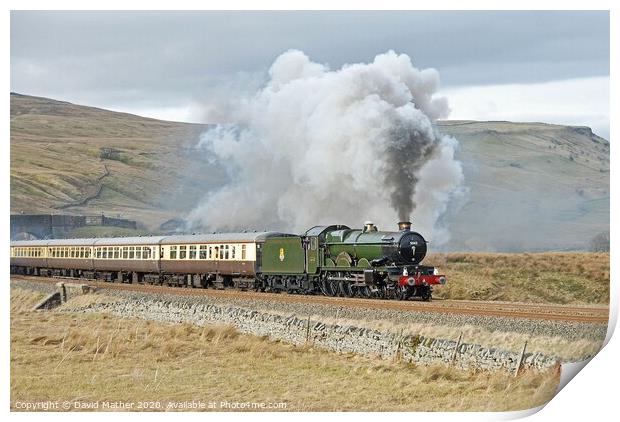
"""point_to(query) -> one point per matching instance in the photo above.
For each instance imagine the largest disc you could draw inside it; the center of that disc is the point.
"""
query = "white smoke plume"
(316, 146)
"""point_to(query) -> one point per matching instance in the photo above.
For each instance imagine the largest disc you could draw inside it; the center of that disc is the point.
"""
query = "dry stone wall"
(340, 338)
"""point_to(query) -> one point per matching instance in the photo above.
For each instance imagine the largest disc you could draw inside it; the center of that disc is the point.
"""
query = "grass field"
(564, 278)
(96, 358)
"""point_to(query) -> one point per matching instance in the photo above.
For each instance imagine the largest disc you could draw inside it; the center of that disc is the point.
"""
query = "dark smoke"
(407, 151)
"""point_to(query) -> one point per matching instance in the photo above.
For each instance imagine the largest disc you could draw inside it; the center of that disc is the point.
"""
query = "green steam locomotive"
(339, 261)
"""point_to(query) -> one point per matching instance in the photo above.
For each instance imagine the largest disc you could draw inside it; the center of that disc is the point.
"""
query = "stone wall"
(340, 338)
(56, 226)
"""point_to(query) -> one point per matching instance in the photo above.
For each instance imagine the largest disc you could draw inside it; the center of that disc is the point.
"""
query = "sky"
(550, 66)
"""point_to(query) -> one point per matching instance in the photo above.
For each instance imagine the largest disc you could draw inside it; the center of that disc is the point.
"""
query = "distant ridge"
(530, 186)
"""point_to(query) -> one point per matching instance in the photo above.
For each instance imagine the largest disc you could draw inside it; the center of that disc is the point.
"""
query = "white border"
(591, 396)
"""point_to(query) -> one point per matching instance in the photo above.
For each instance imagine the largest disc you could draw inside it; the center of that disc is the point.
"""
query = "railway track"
(596, 314)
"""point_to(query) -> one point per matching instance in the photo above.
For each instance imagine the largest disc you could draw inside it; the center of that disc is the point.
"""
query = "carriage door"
(259, 257)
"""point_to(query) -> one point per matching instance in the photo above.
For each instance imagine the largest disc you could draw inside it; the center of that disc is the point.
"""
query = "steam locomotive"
(330, 260)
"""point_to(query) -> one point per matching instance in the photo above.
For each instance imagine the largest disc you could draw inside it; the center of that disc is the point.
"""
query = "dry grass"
(566, 278)
(86, 357)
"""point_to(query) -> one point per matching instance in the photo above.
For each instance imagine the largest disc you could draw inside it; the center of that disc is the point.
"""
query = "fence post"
(456, 349)
(399, 345)
(308, 329)
(520, 359)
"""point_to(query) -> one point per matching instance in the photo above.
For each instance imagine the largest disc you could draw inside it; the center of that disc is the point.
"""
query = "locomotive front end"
(390, 260)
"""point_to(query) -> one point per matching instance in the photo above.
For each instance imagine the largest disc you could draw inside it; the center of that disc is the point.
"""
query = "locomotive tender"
(331, 260)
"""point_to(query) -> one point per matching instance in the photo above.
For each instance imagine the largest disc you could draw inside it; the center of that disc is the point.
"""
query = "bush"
(600, 243)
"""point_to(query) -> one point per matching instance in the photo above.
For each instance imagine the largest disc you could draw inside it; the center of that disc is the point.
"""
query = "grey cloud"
(166, 58)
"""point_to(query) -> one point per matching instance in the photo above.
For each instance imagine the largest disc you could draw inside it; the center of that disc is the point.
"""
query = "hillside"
(531, 186)
(58, 159)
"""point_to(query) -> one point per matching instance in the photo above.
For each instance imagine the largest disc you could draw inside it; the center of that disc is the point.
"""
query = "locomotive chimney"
(404, 226)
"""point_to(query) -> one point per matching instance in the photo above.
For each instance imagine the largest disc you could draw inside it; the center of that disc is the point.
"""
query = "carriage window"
(81, 252)
(146, 253)
(138, 252)
(125, 252)
(192, 252)
(182, 252)
(233, 251)
(203, 252)
(132, 251)
(97, 253)
(173, 252)
(226, 252)
(87, 254)
(210, 252)
(243, 252)
(116, 252)
(217, 252)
